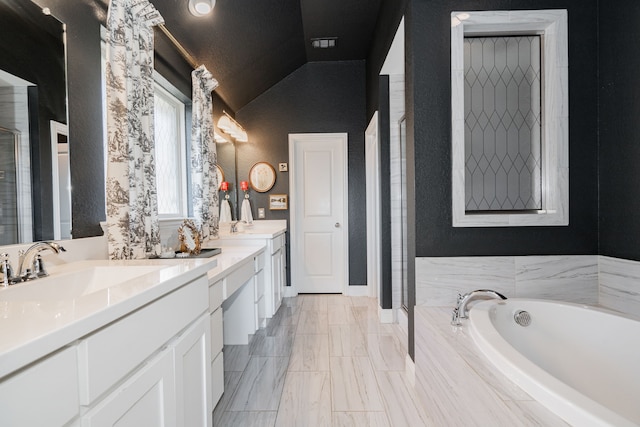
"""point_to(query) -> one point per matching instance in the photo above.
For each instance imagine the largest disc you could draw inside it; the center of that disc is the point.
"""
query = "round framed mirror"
(262, 177)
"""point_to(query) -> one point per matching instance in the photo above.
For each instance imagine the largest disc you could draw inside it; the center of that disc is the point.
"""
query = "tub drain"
(522, 318)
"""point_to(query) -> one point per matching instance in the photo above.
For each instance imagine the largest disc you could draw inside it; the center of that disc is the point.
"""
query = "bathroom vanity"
(272, 235)
(100, 341)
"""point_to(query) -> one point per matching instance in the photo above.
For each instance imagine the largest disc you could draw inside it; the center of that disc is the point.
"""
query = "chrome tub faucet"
(460, 311)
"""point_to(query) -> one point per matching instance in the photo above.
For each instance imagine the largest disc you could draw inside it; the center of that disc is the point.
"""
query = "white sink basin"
(75, 284)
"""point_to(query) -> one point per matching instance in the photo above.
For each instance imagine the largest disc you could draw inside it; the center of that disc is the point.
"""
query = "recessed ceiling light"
(201, 7)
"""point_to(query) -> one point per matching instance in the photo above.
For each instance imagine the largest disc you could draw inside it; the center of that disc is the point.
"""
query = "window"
(509, 118)
(171, 174)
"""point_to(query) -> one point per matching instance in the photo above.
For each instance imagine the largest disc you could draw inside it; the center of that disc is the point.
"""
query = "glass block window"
(170, 154)
(502, 123)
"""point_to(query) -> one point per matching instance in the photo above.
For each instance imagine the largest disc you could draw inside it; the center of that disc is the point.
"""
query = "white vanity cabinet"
(151, 367)
(275, 278)
(44, 394)
(137, 353)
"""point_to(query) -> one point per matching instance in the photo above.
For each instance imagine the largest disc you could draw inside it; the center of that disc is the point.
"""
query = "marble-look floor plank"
(340, 315)
(306, 400)
(231, 380)
(248, 419)
(261, 385)
(236, 357)
(360, 419)
(385, 353)
(353, 385)
(313, 322)
(401, 401)
(347, 340)
(310, 353)
(279, 344)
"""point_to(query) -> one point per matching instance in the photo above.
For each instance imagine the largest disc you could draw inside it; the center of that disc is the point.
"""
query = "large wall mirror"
(33, 119)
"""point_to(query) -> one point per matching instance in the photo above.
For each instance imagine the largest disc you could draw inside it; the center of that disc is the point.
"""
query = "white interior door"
(319, 231)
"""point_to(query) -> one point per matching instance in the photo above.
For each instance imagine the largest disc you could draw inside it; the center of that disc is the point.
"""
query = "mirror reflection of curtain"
(132, 206)
(204, 176)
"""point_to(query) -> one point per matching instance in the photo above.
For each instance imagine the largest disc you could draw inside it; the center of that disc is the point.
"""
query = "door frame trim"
(301, 138)
(372, 170)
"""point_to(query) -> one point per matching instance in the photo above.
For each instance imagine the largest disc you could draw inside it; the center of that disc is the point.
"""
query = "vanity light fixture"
(228, 125)
(201, 7)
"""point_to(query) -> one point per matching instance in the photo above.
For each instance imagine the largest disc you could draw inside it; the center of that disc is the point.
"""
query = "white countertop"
(261, 229)
(230, 258)
(32, 328)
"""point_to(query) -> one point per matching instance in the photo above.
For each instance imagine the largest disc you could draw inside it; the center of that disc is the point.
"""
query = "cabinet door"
(275, 280)
(145, 399)
(192, 352)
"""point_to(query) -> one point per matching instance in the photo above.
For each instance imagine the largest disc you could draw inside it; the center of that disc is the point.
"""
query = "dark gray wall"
(619, 129)
(318, 97)
(429, 132)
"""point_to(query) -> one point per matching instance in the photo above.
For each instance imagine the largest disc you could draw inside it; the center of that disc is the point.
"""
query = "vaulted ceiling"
(250, 45)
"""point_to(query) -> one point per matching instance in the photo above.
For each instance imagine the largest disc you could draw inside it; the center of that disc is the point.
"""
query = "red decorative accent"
(244, 185)
(224, 186)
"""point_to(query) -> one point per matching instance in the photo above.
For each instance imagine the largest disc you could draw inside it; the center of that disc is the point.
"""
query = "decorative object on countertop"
(204, 159)
(278, 202)
(262, 177)
(245, 213)
(189, 237)
(132, 205)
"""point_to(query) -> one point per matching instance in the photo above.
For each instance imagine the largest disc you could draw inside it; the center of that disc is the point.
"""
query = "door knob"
(337, 225)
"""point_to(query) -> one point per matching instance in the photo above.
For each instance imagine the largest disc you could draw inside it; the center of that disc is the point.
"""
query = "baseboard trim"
(358, 291)
(385, 315)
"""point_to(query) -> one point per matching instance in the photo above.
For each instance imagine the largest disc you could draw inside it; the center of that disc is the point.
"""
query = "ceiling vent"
(324, 42)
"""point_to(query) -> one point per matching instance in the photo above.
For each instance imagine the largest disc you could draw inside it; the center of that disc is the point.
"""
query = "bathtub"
(581, 362)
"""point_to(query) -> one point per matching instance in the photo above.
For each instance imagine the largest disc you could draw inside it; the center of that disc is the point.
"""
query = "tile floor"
(323, 360)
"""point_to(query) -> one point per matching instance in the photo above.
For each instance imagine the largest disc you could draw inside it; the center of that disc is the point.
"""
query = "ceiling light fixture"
(324, 42)
(201, 7)
(228, 125)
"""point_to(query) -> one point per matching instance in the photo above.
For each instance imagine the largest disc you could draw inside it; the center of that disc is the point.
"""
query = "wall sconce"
(228, 125)
(201, 7)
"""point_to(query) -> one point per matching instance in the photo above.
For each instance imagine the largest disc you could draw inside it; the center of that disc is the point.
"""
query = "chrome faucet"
(460, 310)
(6, 271)
(31, 265)
(234, 227)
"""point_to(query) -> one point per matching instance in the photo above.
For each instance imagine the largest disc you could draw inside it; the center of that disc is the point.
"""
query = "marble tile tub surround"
(572, 278)
(458, 386)
(587, 279)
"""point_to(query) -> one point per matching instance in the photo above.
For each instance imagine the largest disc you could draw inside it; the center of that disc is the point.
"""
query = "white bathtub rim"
(563, 400)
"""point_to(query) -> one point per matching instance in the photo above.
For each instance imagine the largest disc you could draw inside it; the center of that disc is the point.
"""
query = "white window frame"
(555, 127)
(160, 90)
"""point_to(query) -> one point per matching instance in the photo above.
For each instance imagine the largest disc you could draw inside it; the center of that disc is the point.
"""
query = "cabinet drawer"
(258, 286)
(217, 379)
(106, 356)
(217, 334)
(235, 280)
(276, 243)
(44, 394)
(215, 296)
(259, 261)
(147, 398)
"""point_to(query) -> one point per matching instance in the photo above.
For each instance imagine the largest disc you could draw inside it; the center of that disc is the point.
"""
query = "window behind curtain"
(169, 118)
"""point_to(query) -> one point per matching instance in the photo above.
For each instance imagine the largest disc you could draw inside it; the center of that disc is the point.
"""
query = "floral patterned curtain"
(132, 205)
(203, 154)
